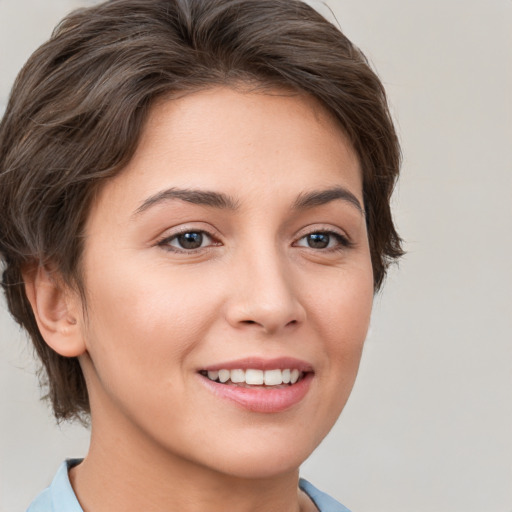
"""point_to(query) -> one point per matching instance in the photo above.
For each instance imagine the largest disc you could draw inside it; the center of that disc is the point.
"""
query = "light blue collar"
(59, 497)
(323, 502)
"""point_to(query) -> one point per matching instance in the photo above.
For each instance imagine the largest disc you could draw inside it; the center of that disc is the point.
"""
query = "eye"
(323, 240)
(188, 241)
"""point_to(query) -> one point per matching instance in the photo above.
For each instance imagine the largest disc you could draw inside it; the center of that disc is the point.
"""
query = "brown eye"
(323, 240)
(188, 241)
(318, 240)
(192, 240)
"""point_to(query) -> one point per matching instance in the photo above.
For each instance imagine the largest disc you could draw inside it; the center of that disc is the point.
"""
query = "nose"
(263, 294)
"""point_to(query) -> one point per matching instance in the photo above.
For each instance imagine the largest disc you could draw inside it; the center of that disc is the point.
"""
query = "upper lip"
(259, 363)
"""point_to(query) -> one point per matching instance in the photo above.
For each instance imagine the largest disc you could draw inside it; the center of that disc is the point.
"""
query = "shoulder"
(59, 496)
(323, 501)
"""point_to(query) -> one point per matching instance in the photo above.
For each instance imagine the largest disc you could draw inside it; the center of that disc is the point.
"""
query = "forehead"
(238, 141)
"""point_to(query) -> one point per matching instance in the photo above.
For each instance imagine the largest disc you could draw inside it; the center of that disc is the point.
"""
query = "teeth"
(214, 375)
(237, 376)
(273, 377)
(254, 377)
(224, 375)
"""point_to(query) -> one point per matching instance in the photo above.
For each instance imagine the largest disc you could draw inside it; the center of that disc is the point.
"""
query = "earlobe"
(56, 309)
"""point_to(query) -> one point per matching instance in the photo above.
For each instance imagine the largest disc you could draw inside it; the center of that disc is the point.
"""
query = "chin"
(261, 466)
(262, 458)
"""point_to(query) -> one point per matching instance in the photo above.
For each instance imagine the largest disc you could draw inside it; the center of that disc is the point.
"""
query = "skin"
(157, 313)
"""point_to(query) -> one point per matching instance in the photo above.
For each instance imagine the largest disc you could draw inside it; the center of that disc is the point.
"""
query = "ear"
(57, 310)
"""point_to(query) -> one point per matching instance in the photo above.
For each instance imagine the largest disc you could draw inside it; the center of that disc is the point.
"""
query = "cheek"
(342, 316)
(142, 322)
(344, 308)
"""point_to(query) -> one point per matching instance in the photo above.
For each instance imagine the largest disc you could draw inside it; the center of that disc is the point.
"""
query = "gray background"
(429, 424)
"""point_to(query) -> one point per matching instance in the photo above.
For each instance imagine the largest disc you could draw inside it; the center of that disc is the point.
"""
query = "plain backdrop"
(429, 424)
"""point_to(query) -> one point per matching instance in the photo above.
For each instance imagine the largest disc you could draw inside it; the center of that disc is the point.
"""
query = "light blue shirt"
(60, 497)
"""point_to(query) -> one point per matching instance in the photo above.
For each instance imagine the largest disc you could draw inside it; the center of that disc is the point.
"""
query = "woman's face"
(233, 243)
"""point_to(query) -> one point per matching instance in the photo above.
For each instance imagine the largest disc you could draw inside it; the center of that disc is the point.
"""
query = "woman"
(194, 217)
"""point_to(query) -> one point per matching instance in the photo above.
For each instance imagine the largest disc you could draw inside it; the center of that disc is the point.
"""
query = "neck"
(124, 471)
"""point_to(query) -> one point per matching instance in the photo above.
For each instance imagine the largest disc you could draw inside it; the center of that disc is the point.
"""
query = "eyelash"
(165, 242)
(343, 242)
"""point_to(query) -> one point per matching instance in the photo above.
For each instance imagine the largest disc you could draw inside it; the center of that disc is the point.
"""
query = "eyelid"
(345, 241)
(321, 228)
(173, 233)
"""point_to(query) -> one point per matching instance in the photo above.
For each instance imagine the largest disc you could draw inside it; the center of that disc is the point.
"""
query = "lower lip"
(261, 399)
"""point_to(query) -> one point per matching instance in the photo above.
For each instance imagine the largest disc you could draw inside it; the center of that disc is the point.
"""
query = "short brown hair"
(78, 107)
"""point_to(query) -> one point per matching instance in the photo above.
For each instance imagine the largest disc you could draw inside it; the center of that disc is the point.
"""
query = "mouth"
(260, 385)
(251, 377)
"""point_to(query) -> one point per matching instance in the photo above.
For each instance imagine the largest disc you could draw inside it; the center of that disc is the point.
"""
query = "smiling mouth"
(253, 377)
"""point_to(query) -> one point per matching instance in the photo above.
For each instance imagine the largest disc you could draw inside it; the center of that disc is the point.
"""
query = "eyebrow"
(201, 197)
(223, 201)
(320, 197)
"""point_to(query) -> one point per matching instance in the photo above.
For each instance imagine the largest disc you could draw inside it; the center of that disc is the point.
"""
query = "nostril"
(291, 323)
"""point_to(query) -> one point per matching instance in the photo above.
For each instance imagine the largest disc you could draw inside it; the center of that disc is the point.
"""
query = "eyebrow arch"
(319, 197)
(201, 197)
